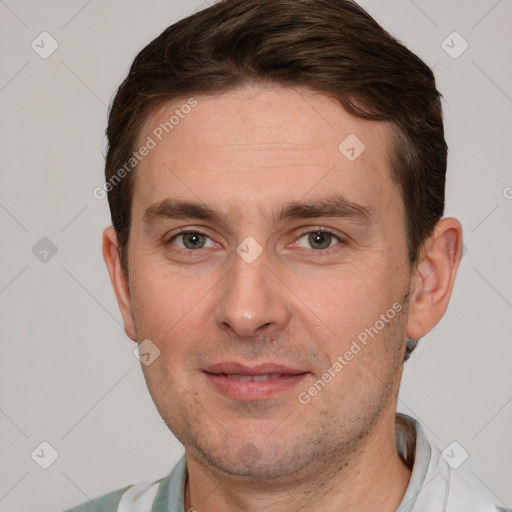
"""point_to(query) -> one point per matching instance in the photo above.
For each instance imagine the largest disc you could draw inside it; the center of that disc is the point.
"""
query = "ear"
(118, 279)
(433, 278)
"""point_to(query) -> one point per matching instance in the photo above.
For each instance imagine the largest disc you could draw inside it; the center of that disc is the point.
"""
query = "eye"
(191, 240)
(319, 239)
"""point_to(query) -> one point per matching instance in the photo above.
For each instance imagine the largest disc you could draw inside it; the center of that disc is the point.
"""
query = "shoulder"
(144, 496)
(458, 490)
(133, 498)
(107, 503)
(438, 484)
(467, 492)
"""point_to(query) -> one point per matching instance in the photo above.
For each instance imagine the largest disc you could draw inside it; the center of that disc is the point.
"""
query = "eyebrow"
(332, 206)
(176, 209)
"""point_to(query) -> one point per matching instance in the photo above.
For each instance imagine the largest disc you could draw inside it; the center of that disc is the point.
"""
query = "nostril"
(262, 328)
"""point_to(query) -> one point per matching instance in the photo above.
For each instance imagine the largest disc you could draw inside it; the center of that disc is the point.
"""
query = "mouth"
(252, 378)
(260, 382)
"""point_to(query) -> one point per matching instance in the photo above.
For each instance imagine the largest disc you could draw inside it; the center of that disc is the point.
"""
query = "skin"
(247, 153)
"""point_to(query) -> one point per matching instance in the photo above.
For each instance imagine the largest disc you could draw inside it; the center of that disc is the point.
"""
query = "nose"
(252, 301)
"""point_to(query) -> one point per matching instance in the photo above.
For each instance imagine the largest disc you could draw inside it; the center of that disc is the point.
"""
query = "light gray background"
(68, 373)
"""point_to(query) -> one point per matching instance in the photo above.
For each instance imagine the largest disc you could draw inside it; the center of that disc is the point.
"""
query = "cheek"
(169, 294)
(349, 298)
(174, 309)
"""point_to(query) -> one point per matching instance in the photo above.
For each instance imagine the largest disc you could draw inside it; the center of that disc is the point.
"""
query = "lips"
(257, 382)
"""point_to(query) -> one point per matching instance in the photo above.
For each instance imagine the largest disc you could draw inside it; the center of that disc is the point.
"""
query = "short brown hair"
(330, 46)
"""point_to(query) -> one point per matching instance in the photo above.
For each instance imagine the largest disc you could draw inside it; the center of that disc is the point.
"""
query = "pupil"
(320, 240)
(193, 240)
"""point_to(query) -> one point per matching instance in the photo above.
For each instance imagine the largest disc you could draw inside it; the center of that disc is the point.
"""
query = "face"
(268, 265)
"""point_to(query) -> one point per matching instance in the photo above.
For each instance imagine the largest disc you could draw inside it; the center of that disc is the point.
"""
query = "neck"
(373, 478)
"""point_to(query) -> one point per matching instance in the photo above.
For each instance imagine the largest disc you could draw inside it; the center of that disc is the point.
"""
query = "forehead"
(260, 146)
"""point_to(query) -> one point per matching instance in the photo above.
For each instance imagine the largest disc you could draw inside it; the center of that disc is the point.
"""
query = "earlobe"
(110, 249)
(434, 277)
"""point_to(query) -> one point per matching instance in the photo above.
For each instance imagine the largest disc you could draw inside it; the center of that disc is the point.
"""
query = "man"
(275, 175)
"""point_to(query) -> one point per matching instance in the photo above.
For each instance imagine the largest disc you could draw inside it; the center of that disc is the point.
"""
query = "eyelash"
(185, 231)
(320, 229)
(340, 240)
